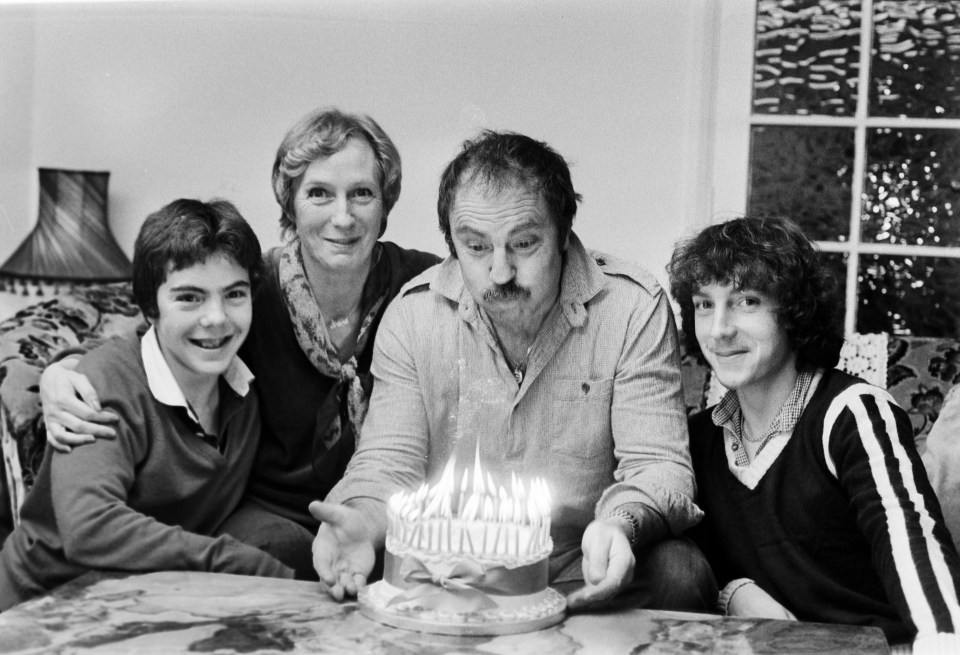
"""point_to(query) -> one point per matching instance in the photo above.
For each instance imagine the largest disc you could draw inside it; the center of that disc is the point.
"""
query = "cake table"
(187, 612)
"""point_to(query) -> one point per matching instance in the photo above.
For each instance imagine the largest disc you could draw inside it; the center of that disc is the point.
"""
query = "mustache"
(507, 291)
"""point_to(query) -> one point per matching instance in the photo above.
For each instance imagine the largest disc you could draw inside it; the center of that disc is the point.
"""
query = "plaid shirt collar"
(727, 414)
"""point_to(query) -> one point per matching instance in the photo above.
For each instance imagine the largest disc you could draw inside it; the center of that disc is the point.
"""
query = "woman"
(336, 177)
(816, 503)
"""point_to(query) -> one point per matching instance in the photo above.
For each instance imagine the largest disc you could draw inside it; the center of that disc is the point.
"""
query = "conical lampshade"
(72, 241)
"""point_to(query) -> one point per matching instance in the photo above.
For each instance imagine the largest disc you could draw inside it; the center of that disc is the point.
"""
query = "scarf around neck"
(309, 327)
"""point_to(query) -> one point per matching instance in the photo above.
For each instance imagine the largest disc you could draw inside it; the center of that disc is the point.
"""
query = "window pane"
(911, 190)
(807, 57)
(915, 67)
(909, 295)
(803, 173)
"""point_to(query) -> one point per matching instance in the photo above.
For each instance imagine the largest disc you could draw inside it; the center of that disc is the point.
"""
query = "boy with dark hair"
(188, 422)
(816, 505)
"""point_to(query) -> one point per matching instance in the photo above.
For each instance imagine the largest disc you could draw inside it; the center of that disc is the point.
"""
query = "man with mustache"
(552, 361)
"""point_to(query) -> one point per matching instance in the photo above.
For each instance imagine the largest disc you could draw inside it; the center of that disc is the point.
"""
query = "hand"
(608, 563)
(71, 407)
(343, 551)
(752, 601)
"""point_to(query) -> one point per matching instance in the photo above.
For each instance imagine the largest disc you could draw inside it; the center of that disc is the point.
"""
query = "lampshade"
(72, 241)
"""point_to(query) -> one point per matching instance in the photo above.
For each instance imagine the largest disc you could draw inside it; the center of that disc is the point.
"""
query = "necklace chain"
(743, 431)
(333, 324)
(346, 319)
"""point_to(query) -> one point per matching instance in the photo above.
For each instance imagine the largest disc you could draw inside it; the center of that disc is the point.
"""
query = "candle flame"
(437, 512)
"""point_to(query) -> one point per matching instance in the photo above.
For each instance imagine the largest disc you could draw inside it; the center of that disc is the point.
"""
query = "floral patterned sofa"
(28, 340)
(917, 371)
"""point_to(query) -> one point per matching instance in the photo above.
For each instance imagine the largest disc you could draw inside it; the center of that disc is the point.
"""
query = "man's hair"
(188, 232)
(770, 255)
(500, 160)
(319, 134)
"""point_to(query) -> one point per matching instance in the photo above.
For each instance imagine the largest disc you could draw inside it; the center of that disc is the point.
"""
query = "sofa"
(28, 341)
(917, 371)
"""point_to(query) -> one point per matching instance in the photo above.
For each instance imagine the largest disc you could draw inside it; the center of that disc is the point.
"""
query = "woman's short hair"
(321, 133)
(773, 256)
(187, 232)
(501, 159)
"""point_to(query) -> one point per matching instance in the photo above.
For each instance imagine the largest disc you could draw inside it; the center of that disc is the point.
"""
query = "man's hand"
(71, 407)
(343, 550)
(751, 601)
(608, 563)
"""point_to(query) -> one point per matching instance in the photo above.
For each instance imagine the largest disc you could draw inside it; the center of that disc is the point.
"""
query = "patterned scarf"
(309, 326)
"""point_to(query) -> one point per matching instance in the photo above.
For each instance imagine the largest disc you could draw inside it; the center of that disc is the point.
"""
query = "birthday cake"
(473, 562)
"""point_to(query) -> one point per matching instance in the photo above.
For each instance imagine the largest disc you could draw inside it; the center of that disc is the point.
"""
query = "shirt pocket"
(579, 419)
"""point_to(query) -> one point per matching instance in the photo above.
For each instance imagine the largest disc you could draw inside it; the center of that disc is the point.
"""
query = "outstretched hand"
(343, 550)
(608, 564)
(71, 407)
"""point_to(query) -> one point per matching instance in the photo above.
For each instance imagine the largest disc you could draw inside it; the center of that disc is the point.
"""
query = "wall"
(192, 98)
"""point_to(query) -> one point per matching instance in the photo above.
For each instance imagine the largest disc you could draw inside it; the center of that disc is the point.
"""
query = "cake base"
(541, 611)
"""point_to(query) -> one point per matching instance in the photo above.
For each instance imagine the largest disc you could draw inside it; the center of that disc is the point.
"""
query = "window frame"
(735, 47)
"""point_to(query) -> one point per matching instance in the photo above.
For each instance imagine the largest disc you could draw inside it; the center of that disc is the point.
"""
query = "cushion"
(920, 371)
(942, 460)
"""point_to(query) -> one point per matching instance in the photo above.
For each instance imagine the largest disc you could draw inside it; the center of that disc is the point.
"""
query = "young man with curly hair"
(816, 504)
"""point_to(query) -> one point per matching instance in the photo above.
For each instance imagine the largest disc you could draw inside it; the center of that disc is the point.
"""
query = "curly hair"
(186, 232)
(501, 159)
(772, 256)
(321, 133)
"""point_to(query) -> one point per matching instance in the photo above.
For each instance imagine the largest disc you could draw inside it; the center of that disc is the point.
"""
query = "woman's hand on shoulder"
(71, 407)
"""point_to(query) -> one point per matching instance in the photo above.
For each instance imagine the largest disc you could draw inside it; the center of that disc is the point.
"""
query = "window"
(855, 134)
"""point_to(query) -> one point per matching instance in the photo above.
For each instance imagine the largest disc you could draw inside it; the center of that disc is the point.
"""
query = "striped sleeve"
(868, 445)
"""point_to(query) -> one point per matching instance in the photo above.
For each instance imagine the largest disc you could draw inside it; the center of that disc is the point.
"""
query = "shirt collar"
(164, 387)
(727, 412)
(581, 279)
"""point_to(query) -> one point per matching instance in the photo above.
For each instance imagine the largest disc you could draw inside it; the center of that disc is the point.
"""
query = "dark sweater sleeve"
(90, 487)
(872, 454)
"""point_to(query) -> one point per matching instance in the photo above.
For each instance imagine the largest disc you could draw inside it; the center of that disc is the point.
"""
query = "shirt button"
(735, 446)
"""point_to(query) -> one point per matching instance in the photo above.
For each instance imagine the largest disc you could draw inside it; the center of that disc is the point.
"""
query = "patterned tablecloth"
(187, 612)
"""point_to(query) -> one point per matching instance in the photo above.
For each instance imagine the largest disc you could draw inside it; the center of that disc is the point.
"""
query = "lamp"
(71, 243)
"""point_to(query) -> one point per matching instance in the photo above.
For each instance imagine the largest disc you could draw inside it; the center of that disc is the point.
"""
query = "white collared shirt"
(164, 387)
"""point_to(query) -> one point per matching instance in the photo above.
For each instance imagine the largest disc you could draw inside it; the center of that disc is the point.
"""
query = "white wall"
(16, 93)
(192, 98)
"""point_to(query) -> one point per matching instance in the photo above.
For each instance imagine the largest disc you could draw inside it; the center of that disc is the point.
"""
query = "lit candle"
(473, 551)
(463, 492)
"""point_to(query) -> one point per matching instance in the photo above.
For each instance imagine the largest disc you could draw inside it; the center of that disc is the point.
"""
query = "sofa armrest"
(28, 342)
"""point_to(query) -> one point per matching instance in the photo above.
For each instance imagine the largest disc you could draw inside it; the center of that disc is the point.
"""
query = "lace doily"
(863, 355)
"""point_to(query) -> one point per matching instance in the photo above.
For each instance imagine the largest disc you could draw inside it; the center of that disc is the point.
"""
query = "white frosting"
(509, 608)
